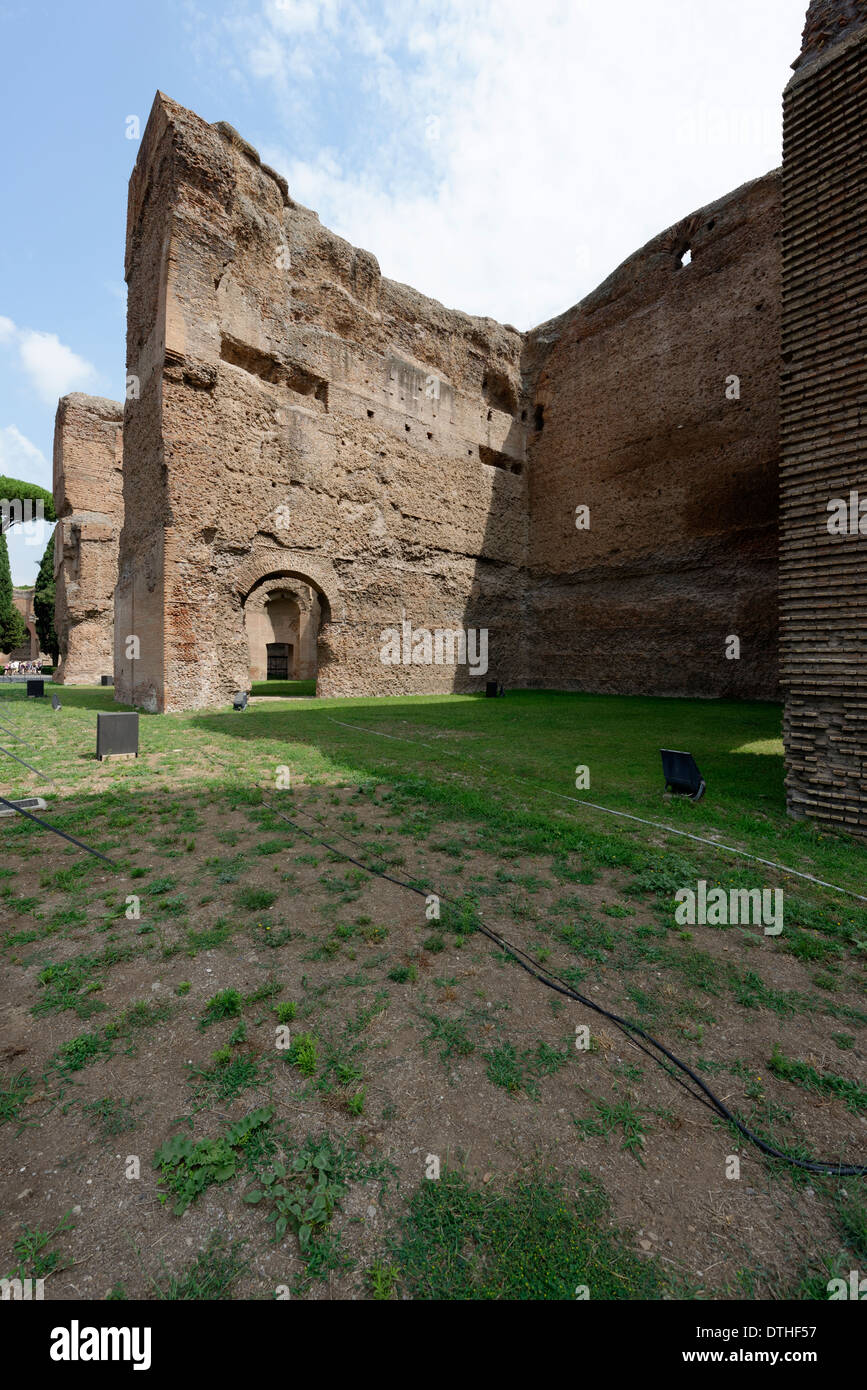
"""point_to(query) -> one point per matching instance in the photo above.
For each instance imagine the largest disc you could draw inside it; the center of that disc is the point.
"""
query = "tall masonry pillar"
(823, 460)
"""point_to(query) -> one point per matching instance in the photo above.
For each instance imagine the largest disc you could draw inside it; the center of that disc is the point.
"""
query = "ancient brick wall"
(638, 419)
(88, 499)
(829, 21)
(301, 416)
(823, 543)
(22, 599)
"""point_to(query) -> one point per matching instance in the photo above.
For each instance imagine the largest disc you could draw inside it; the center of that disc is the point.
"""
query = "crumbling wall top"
(829, 22)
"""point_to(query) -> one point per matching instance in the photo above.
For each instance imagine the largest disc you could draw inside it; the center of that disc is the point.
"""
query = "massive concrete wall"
(22, 599)
(639, 420)
(88, 499)
(299, 415)
(823, 547)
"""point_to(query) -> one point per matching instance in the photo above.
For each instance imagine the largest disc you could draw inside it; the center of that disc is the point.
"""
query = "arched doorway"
(282, 619)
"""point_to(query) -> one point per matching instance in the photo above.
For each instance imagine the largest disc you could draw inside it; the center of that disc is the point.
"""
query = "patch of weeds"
(824, 1083)
(81, 1051)
(187, 1168)
(285, 1012)
(162, 885)
(355, 1103)
(225, 1004)
(227, 1078)
(67, 985)
(14, 1095)
(533, 1240)
(303, 1054)
(256, 899)
(382, 1280)
(612, 1116)
(137, 1016)
(35, 1260)
(267, 990)
(451, 1034)
(521, 1071)
(366, 1013)
(751, 992)
(110, 1116)
(303, 1192)
(211, 1275)
(209, 938)
(850, 1218)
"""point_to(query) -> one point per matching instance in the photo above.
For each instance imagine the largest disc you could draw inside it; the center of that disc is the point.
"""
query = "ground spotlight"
(681, 774)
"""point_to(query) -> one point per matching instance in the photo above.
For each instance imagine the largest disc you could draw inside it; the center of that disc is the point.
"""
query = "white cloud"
(20, 458)
(566, 136)
(53, 368)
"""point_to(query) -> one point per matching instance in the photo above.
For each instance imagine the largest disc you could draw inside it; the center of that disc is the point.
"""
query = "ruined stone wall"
(828, 22)
(88, 500)
(823, 545)
(636, 418)
(300, 415)
(22, 599)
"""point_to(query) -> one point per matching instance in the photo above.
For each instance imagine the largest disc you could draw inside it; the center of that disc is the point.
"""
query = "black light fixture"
(55, 703)
(239, 699)
(116, 736)
(493, 689)
(106, 680)
(681, 774)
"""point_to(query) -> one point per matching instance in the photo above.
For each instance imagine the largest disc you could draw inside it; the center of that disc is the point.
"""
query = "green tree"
(14, 490)
(13, 630)
(43, 604)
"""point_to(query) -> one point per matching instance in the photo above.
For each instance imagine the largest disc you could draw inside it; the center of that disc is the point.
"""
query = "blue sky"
(499, 155)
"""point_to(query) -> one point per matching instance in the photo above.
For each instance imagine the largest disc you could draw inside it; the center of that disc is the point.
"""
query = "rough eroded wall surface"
(829, 21)
(301, 416)
(639, 419)
(88, 499)
(22, 599)
(823, 548)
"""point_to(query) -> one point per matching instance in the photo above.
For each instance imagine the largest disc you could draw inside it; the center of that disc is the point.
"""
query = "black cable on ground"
(630, 1030)
(610, 811)
(46, 775)
(53, 828)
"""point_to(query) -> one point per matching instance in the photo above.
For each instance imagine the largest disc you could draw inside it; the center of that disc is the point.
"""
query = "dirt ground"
(329, 943)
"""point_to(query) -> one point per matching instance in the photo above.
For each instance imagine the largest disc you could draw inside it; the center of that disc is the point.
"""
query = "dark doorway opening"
(278, 661)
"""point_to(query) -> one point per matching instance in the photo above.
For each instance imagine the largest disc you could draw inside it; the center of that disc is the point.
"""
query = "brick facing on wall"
(823, 576)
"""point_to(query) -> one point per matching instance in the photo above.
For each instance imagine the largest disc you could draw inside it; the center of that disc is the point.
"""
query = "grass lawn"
(233, 997)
